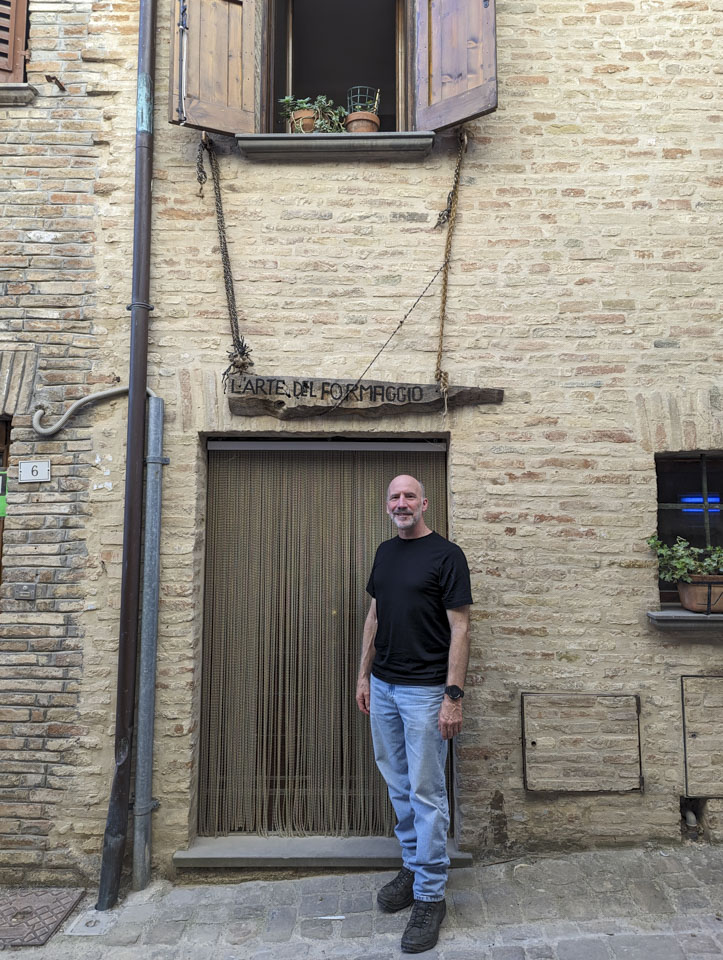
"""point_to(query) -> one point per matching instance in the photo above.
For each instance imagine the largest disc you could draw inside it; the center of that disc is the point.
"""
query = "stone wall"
(586, 282)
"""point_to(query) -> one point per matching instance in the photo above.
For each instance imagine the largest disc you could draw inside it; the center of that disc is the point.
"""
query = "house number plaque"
(293, 398)
(33, 471)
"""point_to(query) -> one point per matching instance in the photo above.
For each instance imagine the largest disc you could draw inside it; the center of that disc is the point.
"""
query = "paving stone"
(526, 932)
(459, 952)
(699, 945)
(692, 900)
(321, 885)
(280, 924)
(286, 951)
(174, 911)
(581, 949)
(541, 951)
(319, 905)
(502, 904)
(241, 931)
(357, 925)
(357, 883)
(123, 933)
(138, 913)
(355, 903)
(650, 898)
(165, 932)
(207, 933)
(316, 929)
(182, 895)
(228, 912)
(283, 892)
(390, 922)
(646, 948)
(543, 908)
(468, 907)
(507, 953)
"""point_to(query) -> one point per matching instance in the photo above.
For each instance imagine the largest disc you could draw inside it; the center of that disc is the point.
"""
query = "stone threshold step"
(241, 850)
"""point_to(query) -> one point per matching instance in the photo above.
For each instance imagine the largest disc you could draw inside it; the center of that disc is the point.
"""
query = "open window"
(232, 60)
(13, 36)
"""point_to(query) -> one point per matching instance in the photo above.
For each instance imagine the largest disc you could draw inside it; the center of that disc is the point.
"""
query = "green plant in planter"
(327, 117)
(679, 562)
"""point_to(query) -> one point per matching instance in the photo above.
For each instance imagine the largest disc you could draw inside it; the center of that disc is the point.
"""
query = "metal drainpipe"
(143, 804)
(117, 823)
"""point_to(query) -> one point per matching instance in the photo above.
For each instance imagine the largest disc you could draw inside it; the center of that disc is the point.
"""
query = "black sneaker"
(422, 931)
(398, 893)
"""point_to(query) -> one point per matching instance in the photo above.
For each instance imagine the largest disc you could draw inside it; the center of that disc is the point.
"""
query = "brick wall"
(586, 282)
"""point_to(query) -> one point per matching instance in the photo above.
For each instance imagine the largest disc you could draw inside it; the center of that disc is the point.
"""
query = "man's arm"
(450, 714)
(367, 658)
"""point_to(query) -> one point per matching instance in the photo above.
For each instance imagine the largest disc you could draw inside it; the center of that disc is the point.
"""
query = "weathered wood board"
(293, 398)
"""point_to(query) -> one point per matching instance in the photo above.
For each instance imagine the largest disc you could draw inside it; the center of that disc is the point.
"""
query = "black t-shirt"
(414, 583)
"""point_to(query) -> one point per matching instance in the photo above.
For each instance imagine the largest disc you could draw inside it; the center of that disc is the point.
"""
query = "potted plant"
(362, 110)
(312, 116)
(698, 572)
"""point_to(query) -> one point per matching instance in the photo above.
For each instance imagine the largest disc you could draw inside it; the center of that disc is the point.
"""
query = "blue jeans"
(411, 756)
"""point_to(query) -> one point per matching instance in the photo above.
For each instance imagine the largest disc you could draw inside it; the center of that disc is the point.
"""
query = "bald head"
(406, 505)
(405, 479)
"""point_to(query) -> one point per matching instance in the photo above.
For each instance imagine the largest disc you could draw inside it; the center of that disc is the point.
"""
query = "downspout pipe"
(143, 804)
(116, 829)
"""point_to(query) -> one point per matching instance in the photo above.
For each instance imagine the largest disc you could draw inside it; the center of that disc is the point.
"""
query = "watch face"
(454, 692)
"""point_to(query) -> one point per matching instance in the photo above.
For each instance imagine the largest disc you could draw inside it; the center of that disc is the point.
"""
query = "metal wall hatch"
(581, 742)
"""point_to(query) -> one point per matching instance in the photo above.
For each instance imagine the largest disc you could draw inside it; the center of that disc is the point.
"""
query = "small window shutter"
(13, 28)
(213, 76)
(456, 62)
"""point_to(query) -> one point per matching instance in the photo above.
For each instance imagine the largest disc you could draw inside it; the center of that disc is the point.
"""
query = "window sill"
(326, 147)
(17, 94)
(675, 618)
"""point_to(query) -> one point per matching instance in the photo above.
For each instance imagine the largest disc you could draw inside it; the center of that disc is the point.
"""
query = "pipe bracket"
(140, 811)
(140, 303)
(162, 460)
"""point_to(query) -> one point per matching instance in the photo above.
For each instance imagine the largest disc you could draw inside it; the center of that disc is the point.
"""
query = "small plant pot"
(695, 595)
(302, 121)
(363, 121)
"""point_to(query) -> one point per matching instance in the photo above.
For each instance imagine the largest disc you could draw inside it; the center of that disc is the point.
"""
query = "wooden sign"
(293, 398)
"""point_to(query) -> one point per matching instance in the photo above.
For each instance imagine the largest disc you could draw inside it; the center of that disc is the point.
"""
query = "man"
(411, 683)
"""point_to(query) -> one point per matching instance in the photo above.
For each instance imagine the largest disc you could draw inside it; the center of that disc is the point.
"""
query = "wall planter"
(704, 594)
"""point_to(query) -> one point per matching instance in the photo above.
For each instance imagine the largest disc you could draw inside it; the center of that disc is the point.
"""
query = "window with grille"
(690, 487)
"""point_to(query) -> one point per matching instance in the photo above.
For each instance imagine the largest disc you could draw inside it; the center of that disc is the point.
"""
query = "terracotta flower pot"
(302, 121)
(363, 121)
(694, 595)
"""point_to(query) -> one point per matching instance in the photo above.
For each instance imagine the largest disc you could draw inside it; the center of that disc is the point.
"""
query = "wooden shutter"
(456, 61)
(213, 76)
(13, 29)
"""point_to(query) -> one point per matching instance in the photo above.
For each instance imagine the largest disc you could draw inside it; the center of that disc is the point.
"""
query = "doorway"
(292, 528)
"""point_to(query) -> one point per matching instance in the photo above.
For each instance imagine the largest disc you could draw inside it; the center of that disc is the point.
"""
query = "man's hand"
(450, 718)
(363, 694)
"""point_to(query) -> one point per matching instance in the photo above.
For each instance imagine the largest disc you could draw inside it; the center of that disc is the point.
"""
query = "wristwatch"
(454, 692)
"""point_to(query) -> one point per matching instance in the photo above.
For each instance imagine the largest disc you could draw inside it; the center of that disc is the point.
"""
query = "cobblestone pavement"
(652, 904)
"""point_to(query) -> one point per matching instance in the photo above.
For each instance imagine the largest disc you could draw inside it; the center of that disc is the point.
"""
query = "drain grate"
(30, 916)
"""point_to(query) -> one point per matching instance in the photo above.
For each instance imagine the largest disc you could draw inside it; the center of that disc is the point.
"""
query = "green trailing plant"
(327, 117)
(680, 561)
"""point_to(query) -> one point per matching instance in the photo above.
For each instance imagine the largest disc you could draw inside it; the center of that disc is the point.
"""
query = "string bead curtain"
(291, 538)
